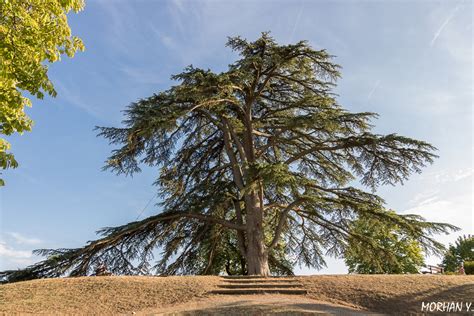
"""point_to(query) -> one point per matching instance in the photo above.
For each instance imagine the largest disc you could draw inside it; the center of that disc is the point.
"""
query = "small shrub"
(450, 273)
(469, 267)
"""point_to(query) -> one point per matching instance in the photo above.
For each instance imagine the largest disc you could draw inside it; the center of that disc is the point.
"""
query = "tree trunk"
(257, 260)
(257, 256)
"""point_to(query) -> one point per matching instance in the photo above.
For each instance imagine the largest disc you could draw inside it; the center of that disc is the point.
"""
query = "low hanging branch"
(254, 166)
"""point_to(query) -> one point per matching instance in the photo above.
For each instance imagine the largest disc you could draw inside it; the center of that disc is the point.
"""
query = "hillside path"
(254, 305)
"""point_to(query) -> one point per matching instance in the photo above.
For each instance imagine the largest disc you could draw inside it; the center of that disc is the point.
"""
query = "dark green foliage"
(395, 252)
(469, 267)
(461, 251)
(253, 163)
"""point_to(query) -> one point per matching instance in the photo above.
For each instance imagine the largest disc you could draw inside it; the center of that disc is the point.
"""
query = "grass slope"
(390, 293)
(100, 295)
(119, 295)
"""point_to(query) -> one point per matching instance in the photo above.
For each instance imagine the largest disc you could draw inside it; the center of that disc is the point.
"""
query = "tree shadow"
(412, 303)
(248, 307)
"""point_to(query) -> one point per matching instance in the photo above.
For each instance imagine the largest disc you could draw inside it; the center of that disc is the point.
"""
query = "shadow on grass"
(245, 307)
(412, 303)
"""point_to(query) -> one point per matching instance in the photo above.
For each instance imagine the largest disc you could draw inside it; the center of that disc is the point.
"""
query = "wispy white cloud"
(142, 75)
(427, 201)
(16, 250)
(297, 21)
(21, 239)
(178, 10)
(12, 258)
(447, 198)
(443, 25)
(167, 41)
(445, 176)
(456, 210)
(73, 96)
(423, 197)
(8, 252)
(123, 20)
(376, 85)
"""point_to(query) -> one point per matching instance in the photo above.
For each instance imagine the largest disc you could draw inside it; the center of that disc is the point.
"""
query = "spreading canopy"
(263, 152)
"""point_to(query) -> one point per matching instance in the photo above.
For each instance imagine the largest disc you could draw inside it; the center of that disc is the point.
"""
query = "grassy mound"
(118, 295)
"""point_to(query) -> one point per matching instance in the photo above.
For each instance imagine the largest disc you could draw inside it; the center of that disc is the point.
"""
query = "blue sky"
(410, 61)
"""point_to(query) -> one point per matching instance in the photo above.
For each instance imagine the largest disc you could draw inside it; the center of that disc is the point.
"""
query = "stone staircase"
(243, 285)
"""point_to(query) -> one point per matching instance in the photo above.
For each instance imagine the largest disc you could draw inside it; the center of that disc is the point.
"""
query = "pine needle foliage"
(254, 164)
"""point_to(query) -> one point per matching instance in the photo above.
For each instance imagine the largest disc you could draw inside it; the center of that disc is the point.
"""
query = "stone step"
(259, 291)
(256, 286)
(261, 281)
(254, 277)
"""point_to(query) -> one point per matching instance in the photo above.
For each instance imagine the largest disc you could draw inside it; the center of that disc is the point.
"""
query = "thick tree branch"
(203, 218)
(281, 222)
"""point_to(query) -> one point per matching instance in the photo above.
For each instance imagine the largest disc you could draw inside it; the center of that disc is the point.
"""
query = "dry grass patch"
(119, 295)
(101, 295)
(389, 293)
